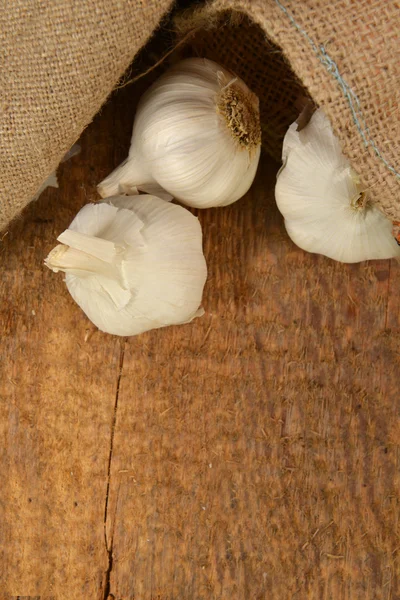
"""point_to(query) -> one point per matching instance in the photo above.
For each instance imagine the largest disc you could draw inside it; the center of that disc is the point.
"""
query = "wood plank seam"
(109, 547)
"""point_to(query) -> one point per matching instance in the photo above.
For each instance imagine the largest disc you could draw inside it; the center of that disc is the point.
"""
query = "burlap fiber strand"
(344, 54)
(59, 61)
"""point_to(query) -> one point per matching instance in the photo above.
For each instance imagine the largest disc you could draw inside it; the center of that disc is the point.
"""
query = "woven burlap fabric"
(59, 60)
(346, 54)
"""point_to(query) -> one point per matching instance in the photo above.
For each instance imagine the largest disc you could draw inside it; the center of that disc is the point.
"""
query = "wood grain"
(251, 454)
(58, 387)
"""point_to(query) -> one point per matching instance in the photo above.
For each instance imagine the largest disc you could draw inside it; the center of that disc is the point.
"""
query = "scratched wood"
(251, 454)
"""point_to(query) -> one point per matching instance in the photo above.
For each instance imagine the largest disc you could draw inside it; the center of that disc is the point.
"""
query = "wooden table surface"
(251, 454)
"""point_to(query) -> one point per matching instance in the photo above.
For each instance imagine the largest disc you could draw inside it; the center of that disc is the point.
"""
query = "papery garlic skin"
(325, 208)
(196, 134)
(133, 264)
(52, 180)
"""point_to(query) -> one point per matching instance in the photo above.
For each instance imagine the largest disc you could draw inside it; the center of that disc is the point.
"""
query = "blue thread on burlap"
(351, 97)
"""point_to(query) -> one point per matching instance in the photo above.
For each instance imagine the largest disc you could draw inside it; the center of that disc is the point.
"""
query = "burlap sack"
(344, 54)
(59, 61)
(68, 55)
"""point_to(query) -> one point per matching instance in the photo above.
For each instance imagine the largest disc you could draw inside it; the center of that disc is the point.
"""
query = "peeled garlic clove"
(196, 134)
(325, 208)
(133, 263)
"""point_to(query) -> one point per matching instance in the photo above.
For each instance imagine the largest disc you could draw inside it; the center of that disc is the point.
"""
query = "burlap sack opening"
(343, 55)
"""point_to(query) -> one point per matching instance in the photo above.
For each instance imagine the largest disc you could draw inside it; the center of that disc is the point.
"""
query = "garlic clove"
(196, 135)
(102, 249)
(178, 256)
(133, 263)
(325, 208)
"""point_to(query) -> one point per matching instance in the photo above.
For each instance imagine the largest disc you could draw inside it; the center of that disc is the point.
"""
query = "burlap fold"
(59, 61)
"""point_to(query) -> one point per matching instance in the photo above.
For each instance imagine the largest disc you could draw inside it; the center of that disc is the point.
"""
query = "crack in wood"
(388, 296)
(109, 546)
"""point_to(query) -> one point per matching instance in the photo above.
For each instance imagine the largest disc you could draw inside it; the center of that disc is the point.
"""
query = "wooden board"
(251, 454)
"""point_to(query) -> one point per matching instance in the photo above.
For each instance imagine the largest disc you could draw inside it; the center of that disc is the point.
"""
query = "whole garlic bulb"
(133, 264)
(196, 134)
(326, 210)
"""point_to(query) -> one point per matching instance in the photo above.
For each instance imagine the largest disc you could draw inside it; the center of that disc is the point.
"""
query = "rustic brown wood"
(58, 387)
(251, 454)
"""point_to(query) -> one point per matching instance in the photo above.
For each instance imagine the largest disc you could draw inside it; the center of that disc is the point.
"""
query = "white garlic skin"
(52, 180)
(326, 210)
(182, 141)
(152, 277)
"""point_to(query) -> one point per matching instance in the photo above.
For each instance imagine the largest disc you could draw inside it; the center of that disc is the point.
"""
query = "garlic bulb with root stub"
(325, 207)
(133, 263)
(196, 134)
